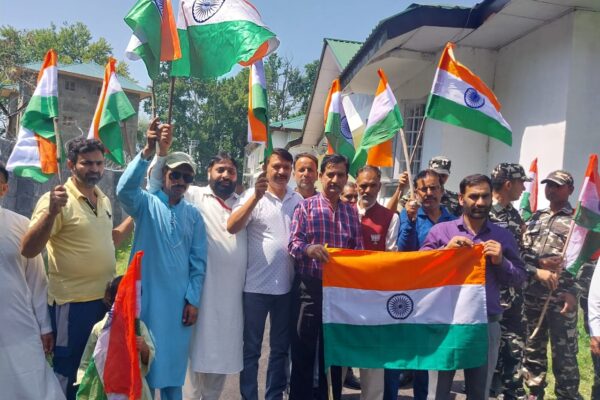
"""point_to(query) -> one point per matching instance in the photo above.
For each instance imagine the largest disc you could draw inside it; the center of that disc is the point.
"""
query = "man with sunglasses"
(73, 221)
(171, 233)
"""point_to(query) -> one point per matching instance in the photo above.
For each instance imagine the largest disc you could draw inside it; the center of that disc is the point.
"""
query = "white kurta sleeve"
(37, 282)
(391, 238)
(594, 303)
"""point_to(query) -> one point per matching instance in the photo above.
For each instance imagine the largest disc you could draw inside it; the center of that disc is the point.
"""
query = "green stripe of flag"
(591, 244)
(116, 109)
(525, 207)
(144, 17)
(406, 346)
(587, 218)
(211, 50)
(34, 173)
(39, 114)
(91, 387)
(333, 132)
(453, 113)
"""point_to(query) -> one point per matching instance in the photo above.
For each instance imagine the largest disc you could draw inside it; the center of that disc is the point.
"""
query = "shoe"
(351, 381)
(406, 378)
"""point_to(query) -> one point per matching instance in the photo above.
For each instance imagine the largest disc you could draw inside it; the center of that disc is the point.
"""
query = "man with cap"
(441, 165)
(171, 233)
(507, 185)
(543, 244)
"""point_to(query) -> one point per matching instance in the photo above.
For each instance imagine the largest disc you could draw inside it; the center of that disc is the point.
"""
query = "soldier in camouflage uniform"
(441, 165)
(543, 242)
(508, 185)
(584, 279)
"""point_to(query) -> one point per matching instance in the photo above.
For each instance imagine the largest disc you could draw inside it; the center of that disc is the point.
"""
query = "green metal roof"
(90, 70)
(295, 123)
(343, 50)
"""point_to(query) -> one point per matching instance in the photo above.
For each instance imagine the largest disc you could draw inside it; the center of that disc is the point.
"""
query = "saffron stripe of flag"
(155, 36)
(584, 241)
(528, 204)
(337, 130)
(433, 300)
(384, 121)
(217, 36)
(112, 108)
(461, 98)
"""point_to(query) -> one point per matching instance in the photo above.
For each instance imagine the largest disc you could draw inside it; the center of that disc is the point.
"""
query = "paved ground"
(231, 391)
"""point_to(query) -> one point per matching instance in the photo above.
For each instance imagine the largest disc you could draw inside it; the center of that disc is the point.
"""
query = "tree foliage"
(211, 116)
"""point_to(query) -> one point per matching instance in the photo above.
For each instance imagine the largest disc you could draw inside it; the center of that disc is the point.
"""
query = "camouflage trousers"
(584, 279)
(512, 344)
(561, 330)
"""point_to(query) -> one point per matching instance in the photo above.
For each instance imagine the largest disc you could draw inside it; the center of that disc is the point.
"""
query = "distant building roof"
(290, 124)
(7, 89)
(343, 50)
(94, 71)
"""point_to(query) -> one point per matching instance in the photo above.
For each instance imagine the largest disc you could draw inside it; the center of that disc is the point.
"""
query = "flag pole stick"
(406, 157)
(547, 303)
(58, 150)
(153, 101)
(126, 139)
(170, 109)
(329, 385)
(419, 135)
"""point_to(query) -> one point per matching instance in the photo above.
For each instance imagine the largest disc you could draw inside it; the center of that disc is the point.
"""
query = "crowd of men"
(216, 264)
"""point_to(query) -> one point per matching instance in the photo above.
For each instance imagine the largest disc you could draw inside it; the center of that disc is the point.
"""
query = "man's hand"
(595, 345)
(402, 181)
(47, 342)
(548, 278)
(570, 303)
(58, 199)
(552, 263)
(459, 241)
(190, 314)
(412, 207)
(143, 348)
(152, 136)
(317, 252)
(493, 250)
(165, 139)
(261, 185)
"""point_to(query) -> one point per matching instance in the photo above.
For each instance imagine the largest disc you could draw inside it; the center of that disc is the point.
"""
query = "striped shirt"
(315, 222)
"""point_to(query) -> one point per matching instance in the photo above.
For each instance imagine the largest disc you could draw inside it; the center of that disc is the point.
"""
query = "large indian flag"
(217, 34)
(154, 37)
(410, 310)
(112, 108)
(584, 241)
(385, 120)
(337, 130)
(34, 154)
(528, 204)
(461, 98)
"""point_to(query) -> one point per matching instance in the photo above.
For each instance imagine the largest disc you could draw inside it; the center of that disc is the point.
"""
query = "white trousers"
(202, 386)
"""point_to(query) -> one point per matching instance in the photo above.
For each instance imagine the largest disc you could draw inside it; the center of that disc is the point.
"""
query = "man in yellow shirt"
(74, 222)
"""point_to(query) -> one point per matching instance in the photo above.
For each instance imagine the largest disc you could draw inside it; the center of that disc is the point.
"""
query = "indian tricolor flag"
(215, 35)
(154, 37)
(337, 130)
(112, 108)
(459, 97)
(115, 362)
(384, 121)
(528, 203)
(584, 241)
(407, 310)
(258, 108)
(34, 154)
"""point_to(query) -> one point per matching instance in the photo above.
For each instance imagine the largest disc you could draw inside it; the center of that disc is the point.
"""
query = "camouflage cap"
(440, 164)
(510, 171)
(560, 177)
(178, 158)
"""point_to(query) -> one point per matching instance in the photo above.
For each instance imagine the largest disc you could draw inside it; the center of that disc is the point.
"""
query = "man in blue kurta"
(171, 233)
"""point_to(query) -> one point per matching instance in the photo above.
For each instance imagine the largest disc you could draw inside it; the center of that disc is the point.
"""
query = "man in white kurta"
(217, 338)
(26, 327)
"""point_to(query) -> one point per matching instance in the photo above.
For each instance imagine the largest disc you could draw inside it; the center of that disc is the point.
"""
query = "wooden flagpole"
(58, 150)
(419, 135)
(407, 158)
(170, 109)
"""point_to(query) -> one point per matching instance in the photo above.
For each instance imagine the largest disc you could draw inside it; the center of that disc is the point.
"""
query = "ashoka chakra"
(203, 10)
(473, 99)
(400, 306)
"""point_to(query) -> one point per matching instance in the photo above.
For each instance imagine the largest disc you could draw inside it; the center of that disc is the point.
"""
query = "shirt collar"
(486, 227)
(72, 188)
(496, 206)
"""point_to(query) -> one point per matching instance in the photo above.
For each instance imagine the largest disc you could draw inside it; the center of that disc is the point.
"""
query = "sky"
(300, 25)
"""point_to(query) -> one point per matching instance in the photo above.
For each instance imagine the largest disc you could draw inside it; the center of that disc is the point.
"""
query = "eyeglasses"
(425, 189)
(176, 175)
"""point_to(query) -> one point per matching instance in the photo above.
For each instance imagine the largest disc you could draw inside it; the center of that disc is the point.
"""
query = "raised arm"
(392, 203)
(241, 215)
(122, 232)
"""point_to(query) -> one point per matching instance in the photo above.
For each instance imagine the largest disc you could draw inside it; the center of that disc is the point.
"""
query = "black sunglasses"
(176, 175)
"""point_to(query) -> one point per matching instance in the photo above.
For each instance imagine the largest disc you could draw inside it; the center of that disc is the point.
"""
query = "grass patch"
(584, 360)
(122, 255)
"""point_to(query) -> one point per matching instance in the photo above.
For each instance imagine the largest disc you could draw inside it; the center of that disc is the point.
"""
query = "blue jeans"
(256, 308)
(392, 384)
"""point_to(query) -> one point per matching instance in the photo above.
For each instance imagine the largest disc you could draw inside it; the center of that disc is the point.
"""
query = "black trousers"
(307, 340)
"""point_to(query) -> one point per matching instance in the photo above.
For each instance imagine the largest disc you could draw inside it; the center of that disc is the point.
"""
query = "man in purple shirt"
(503, 266)
(319, 221)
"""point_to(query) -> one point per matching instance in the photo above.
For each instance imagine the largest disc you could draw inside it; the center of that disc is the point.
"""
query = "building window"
(70, 85)
(413, 118)
(96, 90)
(67, 120)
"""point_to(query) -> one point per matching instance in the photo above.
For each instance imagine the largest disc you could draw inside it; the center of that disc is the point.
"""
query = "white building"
(540, 58)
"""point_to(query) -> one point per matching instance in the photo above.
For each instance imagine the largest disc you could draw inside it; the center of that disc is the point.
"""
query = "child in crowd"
(145, 346)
